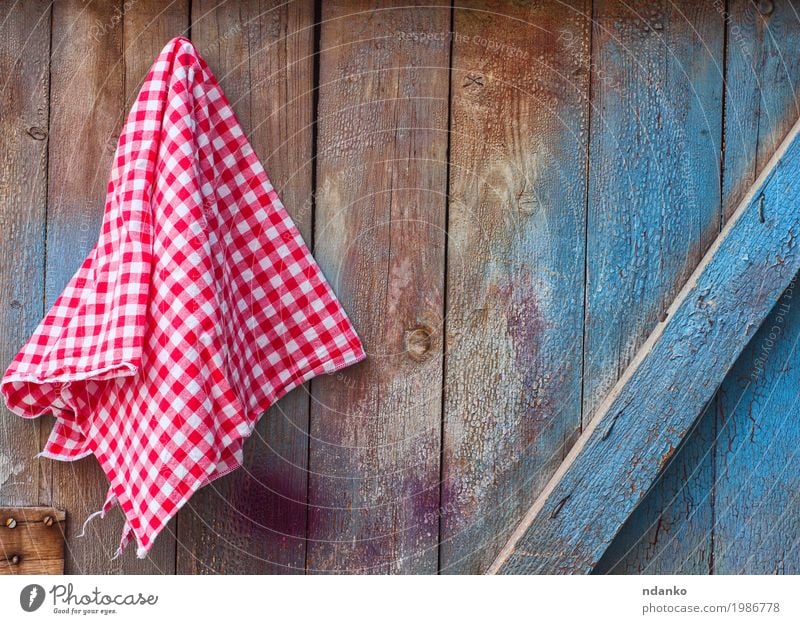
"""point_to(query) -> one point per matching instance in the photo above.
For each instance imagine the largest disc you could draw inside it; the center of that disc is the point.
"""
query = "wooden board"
(519, 140)
(31, 540)
(654, 198)
(91, 84)
(670, 532)
(763, 69)
(380, 239)
(654, 208)
(254, 520)
(472, 307)
(757, 529)
(24, 72)
(651, 409)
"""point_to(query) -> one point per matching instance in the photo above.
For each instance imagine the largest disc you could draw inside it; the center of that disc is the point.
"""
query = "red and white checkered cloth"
(198, 308)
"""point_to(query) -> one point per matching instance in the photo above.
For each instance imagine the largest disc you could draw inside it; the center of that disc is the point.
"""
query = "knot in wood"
(418, 343)
(37, 133)
(765, 7)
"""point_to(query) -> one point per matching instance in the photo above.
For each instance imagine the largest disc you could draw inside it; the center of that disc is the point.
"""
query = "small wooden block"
(31, 540)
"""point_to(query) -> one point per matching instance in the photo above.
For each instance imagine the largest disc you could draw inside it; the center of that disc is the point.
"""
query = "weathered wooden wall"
(727, 503)
(505, 195)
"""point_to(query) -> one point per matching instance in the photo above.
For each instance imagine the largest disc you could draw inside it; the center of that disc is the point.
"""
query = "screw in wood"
(11, 523)
(48, 521)
(14, 559)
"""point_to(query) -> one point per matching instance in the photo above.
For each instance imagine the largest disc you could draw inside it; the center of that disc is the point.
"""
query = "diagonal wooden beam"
(653, 406)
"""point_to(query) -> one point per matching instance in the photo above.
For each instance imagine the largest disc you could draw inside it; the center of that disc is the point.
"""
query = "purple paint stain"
(271, 500)
(525, 325)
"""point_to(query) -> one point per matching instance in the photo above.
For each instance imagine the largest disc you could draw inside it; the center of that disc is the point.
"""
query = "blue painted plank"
(757, 527)
(675, 374)
(757, 497)
(654, 208)
(670, 531)
(763, 70)
(518, 147)
(654, 166)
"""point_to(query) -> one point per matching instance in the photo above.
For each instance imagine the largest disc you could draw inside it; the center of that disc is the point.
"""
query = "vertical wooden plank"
(654, 192)
(519, 110)
(761, 104)
(379, 237)
(24, 112)
(87, 98)
(92, 81)
(654, 208)
(254, 520)
(757, 520)
(148, 26)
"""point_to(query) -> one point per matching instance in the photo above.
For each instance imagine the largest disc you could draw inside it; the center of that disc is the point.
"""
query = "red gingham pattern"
(198, 308)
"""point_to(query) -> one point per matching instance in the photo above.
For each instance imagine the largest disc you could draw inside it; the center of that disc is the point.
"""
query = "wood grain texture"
(763, 68)
(24, 112)
(87, 98)
(502, 367)
(380, 239)
(651, 409)
(670, 532)
(33, 542)
(757, 529)
(761, 105)
(653, 171)
(519, 111)
(93, 79)
(654, 208)
(254, 520)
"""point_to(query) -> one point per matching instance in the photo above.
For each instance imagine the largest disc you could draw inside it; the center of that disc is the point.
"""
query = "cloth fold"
(198, 308)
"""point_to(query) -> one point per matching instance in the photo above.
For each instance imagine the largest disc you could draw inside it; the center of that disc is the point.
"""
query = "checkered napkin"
(198, 308)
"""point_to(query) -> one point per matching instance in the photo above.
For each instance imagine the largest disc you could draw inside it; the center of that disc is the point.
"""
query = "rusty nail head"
(14, 559)
(11, 523)
(48, 521)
